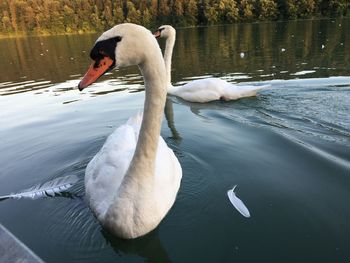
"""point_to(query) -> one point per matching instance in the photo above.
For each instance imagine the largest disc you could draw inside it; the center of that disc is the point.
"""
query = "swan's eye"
(161, 29)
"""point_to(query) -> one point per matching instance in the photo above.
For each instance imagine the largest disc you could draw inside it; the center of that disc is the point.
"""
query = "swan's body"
(210, 89)
(201, 90)
(132, 182)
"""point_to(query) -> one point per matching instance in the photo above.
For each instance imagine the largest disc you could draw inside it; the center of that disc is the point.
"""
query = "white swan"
(201, 90)
(132, 182)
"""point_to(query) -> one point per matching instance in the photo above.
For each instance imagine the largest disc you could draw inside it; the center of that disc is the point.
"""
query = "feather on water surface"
(48, 189)
(237, 203)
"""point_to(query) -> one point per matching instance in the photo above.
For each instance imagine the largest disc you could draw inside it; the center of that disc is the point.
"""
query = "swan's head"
(121, 46)
(165, 31)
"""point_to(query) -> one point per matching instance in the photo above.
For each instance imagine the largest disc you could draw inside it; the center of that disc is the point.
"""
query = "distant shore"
(60, 17)
(79, 32)
(34, 34)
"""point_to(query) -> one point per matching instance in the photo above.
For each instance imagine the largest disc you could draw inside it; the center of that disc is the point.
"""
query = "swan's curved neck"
(168, 53)
(143, 161)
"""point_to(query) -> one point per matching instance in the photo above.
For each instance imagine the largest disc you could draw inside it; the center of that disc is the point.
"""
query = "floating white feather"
(50, 188)
(237, 203)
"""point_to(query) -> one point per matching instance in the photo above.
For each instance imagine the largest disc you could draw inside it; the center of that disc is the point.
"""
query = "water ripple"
(25, 86)
(318, 151)
(76, 229)
(194, 187)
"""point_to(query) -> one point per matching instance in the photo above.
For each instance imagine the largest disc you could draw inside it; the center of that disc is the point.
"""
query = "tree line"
(79, 16)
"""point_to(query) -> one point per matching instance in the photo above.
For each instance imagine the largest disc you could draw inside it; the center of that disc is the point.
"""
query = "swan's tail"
(249, 90)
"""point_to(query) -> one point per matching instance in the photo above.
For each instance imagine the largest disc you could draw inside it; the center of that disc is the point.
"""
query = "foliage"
(268, 9)
(247, 9)
(300, 8)
(79, 16)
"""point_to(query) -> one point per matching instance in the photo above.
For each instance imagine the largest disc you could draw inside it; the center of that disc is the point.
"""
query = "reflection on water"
(316, 48)
(288, 149)
(169, 116)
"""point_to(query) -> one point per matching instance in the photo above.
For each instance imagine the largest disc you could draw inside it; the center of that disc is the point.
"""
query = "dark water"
(287, 149)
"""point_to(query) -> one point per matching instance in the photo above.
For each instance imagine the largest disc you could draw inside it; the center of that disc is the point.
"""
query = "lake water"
(288, 149)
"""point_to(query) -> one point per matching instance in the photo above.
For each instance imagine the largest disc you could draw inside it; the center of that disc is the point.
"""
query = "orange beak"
(157, 34)
(94, 72)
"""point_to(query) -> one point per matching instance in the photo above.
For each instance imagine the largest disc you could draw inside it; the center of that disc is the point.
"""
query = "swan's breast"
(141, 204)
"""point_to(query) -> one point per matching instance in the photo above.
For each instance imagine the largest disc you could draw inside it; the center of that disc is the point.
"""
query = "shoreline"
(33, 34)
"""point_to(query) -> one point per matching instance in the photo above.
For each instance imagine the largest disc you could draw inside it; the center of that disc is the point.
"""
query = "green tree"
(299, 8)
(118, 13)
(163, 11)
(191, 12)
(133, 15)
(177, 12)
(13, 13)
(247, 9)
(107, 14)
(339, 7)
(211, 13)
(6, 22)
(67, 16)
(68, 19)
(228, 10)
(291, 8)
(29, 18)
(96, 20)
(306, 8)
(146, 17)
(268, 9)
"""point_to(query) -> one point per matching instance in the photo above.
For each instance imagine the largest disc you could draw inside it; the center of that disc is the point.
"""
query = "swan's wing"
(200, 90)
(210, 89)
(107, 169)
(237, 203)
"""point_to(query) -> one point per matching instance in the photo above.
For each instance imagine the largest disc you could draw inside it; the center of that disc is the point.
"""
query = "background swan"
(132, 182)
(201, 90)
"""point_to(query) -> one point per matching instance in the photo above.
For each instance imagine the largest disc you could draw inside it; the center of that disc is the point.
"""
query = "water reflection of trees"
(52, 58)
(271, 47)
(198, 51)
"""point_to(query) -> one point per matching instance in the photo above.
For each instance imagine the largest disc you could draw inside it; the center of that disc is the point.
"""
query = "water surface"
(288, 149)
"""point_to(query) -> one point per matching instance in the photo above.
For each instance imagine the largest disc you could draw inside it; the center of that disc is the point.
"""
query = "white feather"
(50, 188)
(237, 203)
